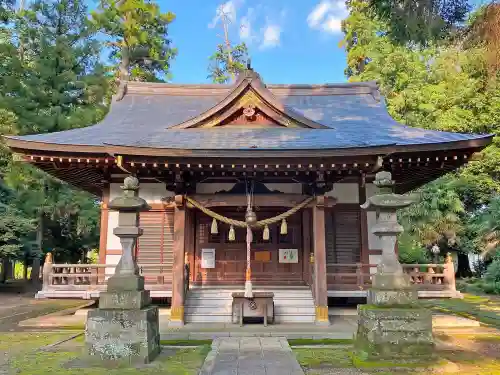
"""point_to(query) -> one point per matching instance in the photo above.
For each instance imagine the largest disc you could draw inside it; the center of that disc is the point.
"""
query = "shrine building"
(305, 156)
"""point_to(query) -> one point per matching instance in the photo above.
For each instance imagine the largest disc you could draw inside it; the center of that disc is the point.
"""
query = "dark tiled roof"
(355, 118)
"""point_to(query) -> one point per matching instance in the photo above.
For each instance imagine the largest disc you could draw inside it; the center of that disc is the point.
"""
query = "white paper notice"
(207, 258)
(289, 256)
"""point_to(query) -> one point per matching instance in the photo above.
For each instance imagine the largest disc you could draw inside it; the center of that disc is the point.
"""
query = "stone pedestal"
(392, 326)
(125, 328)
(122, 336)
(388, 333)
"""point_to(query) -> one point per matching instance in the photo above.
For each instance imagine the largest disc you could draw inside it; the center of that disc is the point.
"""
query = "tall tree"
(63, 84)
(228, 59)
(6, 8)
(50, 80)
(420, 21)
(137, 35)
(14, 226)
(227, 62)
(441, 87)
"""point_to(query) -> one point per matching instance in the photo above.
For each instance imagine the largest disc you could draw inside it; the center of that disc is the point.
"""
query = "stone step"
(229, 294)
(204, 318)
(294, 319)
(215, 305)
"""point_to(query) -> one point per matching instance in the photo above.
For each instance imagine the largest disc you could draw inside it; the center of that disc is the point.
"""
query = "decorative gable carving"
(250, 104)
(249, 110)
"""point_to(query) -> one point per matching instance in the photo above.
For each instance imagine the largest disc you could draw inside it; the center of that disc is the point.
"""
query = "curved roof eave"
(29, 146)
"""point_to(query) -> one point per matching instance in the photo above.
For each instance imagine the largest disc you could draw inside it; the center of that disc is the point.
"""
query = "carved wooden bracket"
(179, 201)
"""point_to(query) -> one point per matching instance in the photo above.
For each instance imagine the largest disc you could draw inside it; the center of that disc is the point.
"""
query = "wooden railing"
(358, 276)
(93, 276)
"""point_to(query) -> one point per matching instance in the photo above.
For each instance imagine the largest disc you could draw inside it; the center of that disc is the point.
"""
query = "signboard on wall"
(289, 256)
(207, 258)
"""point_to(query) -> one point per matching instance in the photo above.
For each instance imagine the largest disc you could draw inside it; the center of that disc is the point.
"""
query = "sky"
(290, 41)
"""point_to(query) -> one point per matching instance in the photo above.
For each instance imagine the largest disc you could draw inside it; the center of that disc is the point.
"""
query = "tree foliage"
(420, 21)
(50, 80)
(137, 35)
(446, 86)
(226, 63)
(14, 225)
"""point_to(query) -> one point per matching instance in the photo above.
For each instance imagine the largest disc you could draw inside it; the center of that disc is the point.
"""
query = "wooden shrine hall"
(305, 156)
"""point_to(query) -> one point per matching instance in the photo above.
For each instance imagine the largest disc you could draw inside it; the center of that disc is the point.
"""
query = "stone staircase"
(213, 304)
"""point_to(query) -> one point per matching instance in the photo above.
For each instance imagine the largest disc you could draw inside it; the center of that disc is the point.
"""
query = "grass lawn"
(24, 358)
(464, 354)
(482, 308)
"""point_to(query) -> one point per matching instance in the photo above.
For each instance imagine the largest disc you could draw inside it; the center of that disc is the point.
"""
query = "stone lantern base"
(388, 333)
(125, 328)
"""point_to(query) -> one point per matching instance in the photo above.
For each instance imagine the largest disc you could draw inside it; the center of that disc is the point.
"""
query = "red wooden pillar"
(319, 244)
(177, 310)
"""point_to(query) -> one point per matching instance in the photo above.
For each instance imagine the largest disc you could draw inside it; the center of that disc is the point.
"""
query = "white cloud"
(246, 24)
(227, 9)
(327, 16)
(271, 36)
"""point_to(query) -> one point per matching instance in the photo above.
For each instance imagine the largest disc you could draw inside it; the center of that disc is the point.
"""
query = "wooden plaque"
(263, 256)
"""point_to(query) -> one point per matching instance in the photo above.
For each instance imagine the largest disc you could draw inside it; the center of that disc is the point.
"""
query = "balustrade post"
(47, 272)
(449, 273)
(94, 276)
(359, 275)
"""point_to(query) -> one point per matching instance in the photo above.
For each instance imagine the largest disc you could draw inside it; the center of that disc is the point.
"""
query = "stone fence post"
(449, 273)
(47, 272)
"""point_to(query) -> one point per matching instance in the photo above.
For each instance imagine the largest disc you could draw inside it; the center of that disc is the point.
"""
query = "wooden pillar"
(189, 241)
(319, 244)
(306, 238)
(365, 252)
(177, 310)
(103, 235)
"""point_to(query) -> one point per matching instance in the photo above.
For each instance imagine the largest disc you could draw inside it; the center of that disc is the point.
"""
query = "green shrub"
(492, 274)
(411, 251)
(491, 288)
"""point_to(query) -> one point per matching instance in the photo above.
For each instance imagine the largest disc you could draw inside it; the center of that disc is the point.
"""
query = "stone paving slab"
(251, 356)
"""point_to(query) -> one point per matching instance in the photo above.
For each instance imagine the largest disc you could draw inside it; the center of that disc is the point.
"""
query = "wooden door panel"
(230, 256)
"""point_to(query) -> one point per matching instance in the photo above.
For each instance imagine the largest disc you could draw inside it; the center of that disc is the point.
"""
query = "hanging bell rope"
(242, 224)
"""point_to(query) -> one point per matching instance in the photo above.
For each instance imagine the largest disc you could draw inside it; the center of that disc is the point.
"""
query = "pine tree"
(64, 85)
(137, 33)
(6, 8)
(50, 80)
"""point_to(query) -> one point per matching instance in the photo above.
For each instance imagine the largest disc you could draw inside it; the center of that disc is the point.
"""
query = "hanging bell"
(232, 235)
(265, 233)
(284, 227)
(214, 229)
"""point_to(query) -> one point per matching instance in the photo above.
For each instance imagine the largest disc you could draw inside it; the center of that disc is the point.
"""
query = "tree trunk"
(463, 269)
(35, 269)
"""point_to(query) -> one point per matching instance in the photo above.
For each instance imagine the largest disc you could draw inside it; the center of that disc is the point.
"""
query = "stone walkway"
(251, 356)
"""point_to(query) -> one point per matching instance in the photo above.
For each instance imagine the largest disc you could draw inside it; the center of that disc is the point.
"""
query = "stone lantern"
(391, 325)
(125, 327)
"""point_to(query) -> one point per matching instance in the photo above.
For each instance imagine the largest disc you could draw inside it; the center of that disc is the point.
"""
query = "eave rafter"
(92, 171)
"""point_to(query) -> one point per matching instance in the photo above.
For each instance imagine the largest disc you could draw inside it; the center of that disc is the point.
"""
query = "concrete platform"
(343, 326)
